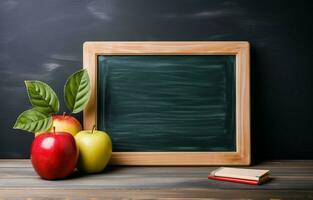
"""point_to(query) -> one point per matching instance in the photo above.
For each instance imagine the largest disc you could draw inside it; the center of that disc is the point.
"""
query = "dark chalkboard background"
(168, 103)
(43, 40)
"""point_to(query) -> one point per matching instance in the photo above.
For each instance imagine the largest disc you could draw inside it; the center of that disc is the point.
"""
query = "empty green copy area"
(167, 103)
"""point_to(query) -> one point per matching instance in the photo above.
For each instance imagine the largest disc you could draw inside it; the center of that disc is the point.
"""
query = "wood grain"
(240, 49)
(166, 194)
(290, 180)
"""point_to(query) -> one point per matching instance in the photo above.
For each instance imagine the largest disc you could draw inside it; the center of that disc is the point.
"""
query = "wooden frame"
(240, 49)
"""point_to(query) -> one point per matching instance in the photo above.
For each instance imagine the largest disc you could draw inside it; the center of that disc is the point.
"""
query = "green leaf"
(33, 121)
(42, 96)
(77, 91)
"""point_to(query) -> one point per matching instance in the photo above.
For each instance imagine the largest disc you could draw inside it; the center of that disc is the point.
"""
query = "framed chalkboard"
(171, 103)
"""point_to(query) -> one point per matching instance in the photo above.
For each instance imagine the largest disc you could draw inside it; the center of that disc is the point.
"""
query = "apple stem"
(54, 130)
(93, 128)
(64, 113)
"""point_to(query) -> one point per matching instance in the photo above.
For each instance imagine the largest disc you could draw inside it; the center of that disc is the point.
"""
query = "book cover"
(235, 180)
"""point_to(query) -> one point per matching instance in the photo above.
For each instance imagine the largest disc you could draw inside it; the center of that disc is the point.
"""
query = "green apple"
(64, 123)
(95, 149)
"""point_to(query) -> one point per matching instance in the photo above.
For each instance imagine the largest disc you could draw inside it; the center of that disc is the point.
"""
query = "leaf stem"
(93, 128)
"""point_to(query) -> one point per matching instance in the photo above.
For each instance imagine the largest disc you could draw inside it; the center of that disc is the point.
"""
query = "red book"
(235, 180)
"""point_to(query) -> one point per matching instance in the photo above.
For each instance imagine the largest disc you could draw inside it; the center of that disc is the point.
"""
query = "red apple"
(54, 155)
(64, 123)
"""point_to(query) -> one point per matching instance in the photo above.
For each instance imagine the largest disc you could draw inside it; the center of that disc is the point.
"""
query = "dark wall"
(43, 40)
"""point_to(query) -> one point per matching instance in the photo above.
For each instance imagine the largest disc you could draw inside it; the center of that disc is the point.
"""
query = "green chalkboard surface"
(151, 103)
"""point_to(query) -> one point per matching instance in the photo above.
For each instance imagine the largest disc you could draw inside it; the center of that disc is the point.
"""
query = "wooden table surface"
(290, 180)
